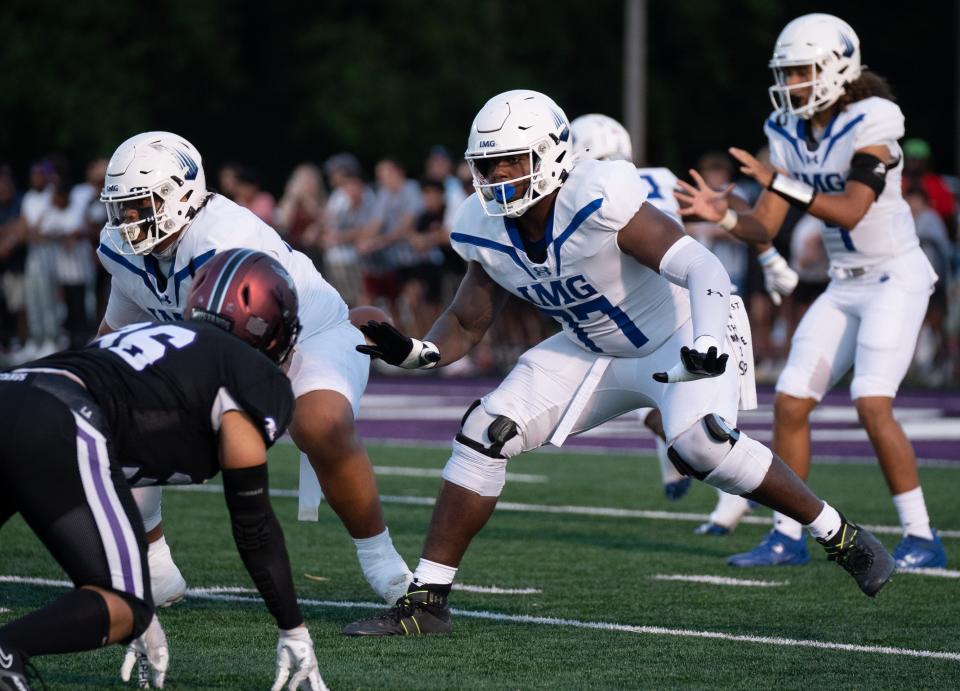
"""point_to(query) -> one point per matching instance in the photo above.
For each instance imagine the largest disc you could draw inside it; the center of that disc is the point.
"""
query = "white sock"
(827, 524)
(433, 573)
(913, 513)
(157, 547)
(371, 545)
(729, 510)
(786, 525)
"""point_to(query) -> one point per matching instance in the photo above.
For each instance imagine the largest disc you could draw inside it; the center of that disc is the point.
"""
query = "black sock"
(77, 621)
(440, 589)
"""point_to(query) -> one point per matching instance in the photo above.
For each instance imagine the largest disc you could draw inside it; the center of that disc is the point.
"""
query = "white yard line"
(438, 472)
(937, 573)
(578, 624)
(718, 580)
(568, 510)
(494, 590)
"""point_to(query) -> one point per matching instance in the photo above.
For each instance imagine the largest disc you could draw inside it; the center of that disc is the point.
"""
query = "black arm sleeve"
(260, 541)
(871, 171)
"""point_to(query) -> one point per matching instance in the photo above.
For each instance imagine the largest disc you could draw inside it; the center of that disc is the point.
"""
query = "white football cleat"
(166, 582)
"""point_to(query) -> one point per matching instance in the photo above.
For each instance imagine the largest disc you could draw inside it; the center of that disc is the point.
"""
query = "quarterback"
(645, 314)
(144, 405)
(162, 226)
(833, 146)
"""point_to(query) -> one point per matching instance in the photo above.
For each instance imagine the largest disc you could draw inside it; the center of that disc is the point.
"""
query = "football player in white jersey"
(833, 143)
(600, 137)
(163, 224)
(646, 318)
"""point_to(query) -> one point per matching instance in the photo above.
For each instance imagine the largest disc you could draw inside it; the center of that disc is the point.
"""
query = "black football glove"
(393, 347)
(694, 365)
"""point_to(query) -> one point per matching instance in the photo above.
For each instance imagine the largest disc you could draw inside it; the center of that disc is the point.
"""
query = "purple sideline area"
(454, 395)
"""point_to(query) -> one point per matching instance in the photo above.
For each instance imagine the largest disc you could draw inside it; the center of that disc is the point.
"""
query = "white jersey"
(221, 224)
(660, 184)
(605, 300)
(887, 229)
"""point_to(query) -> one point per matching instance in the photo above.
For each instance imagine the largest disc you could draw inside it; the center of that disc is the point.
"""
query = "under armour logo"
(165, 299)
(541, 271)
(270, 426)
(6, 659)
(711, 291)
(86, 412)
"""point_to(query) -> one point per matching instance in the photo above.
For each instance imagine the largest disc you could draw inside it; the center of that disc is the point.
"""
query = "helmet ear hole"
(245, 295)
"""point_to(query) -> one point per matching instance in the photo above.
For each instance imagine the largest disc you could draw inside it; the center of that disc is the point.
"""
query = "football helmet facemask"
(829, 47)
(519, 123)
(153, 188)
(600, 137)
(251, 295)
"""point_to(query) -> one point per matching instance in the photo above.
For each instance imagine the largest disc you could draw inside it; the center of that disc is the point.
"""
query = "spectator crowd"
(385, 242)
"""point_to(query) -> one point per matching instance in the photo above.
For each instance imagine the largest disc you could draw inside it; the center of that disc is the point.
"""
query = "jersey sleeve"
(466, 221)
(883, 124)
(258, 388)
(622, 192)
(121, 309)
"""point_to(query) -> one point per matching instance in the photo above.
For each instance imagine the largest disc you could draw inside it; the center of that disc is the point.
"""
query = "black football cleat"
(14, 671)
(422, 610)
(862, 555)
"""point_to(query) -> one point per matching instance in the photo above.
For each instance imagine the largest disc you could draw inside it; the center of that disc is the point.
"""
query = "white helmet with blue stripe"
(519, 123)
(153, 188)
(830, 47)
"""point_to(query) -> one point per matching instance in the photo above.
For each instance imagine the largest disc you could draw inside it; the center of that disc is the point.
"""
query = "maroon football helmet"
(249, 294)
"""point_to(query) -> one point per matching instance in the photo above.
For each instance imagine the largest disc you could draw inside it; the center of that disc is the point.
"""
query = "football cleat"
(776, 549)
(16, 674)
(420, 611)
(861, 555)
(914, 552)
(710, 528)
(676, 490)
(166, 581)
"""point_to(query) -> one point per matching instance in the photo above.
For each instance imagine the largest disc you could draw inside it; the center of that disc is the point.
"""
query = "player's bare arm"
(458, 329)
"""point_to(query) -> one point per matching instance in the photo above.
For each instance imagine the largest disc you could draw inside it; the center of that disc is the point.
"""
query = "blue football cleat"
(676, 490)
(776, 549)
(711, 529)
(914, 552)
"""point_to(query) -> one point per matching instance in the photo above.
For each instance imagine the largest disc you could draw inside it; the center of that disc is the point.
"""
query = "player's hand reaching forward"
(295, 657)
(150, 654)
(751, 166)
(700, 362)
(702, 200)
(391, 346)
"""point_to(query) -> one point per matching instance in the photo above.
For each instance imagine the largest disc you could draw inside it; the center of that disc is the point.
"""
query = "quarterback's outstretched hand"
(778, 278)
(750, 165)
(295, 655)
(391, 346)
(150, 654)
(699, 362)
(702, 200)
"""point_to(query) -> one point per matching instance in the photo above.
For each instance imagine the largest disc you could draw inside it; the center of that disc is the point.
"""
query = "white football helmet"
(153, 189)
(830, 47)
(600, 137)
(519, 122)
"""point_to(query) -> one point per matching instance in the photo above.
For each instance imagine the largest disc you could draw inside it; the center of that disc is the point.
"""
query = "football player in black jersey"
(153, 403)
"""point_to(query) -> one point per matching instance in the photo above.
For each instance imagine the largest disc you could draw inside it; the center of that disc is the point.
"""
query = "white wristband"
(794, 191)
(729, 220)
(768, 256)
(423, 355)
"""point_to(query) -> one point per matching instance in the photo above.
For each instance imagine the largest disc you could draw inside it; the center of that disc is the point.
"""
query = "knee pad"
(481, 450)
(721, 456)
(148, 502)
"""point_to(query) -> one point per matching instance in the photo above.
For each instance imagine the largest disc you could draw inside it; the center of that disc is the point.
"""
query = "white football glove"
(778, 278)
(150, 654)
(295, 654)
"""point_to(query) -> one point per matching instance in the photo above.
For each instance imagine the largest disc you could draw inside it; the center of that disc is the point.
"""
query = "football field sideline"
(225, 594)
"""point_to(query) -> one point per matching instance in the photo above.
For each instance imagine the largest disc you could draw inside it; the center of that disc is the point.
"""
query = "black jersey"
(163, 388)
